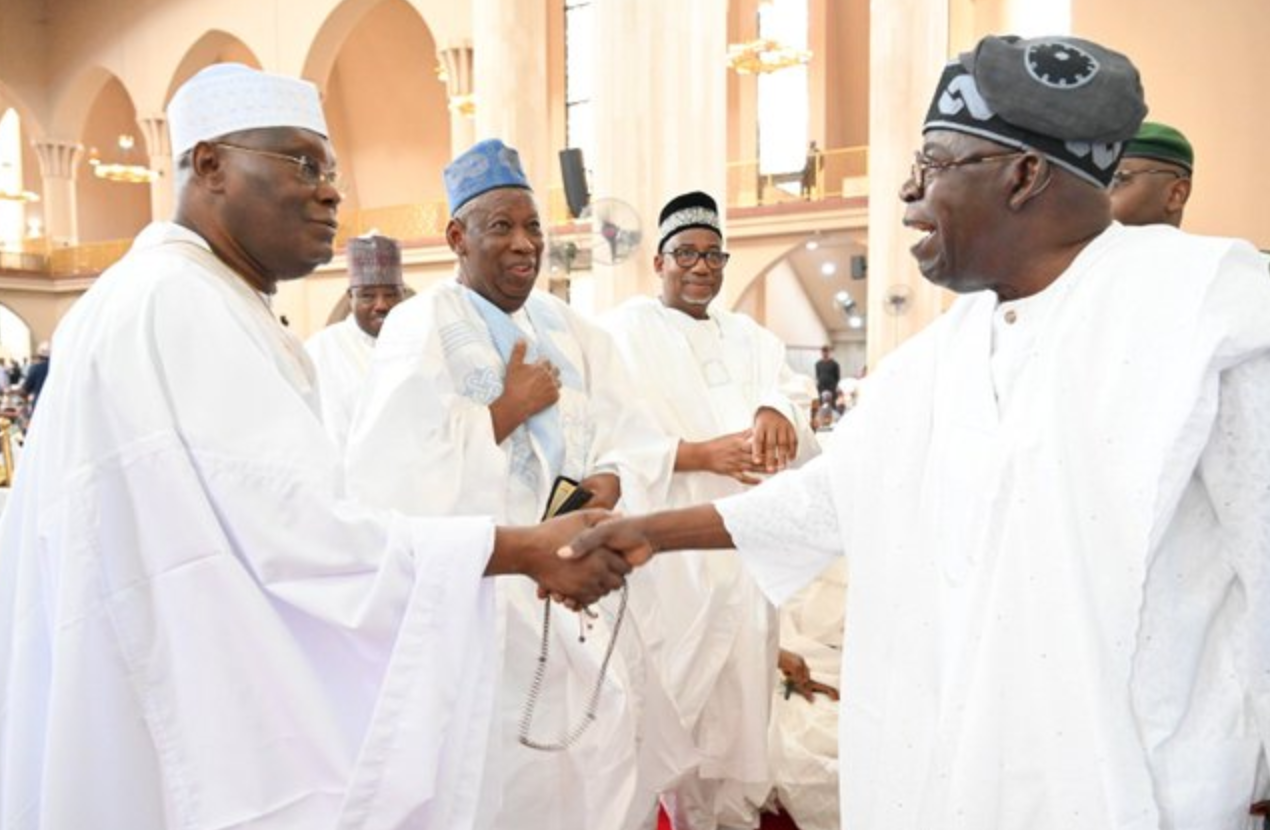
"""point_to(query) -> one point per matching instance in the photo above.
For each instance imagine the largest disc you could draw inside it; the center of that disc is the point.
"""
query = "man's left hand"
(798, 678)
(605, 489)
(775, 440)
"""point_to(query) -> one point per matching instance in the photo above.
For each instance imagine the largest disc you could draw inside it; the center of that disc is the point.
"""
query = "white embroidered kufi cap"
(227, 97)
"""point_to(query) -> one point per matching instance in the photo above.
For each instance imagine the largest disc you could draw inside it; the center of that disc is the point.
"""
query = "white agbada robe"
(1059, 551)
(803, 738)
(341, 355)
(709, 629)
(194, 631)
(423, 443)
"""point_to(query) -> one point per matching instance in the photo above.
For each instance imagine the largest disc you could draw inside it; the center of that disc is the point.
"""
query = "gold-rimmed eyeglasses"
(306, 168)
(923, 166)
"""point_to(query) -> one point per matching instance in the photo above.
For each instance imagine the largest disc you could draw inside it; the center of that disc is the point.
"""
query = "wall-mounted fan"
(615, 230)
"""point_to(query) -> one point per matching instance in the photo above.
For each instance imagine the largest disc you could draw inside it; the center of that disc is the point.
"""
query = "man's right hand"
(528, 388)
(624, 537)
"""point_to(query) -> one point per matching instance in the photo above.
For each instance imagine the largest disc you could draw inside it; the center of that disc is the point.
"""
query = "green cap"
(1163, 143)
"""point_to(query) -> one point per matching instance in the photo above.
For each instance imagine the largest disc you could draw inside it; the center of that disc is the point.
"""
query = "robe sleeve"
(1235, 468)
(628, 439)
(786, 529)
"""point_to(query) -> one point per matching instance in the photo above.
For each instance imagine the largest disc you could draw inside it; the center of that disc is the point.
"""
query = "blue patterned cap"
(487, 166)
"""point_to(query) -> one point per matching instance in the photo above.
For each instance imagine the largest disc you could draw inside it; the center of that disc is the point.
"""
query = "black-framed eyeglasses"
(306, 168)
(688, 257)
(923, 166)
(1120, 178)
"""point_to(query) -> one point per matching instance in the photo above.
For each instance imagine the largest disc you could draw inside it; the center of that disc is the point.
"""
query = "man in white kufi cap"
(196, 630)
(341, 352)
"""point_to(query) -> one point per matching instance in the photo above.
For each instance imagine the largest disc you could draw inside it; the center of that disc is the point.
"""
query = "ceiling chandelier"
(758, 57)
(19, 196)
(120, 171)
(16, 194)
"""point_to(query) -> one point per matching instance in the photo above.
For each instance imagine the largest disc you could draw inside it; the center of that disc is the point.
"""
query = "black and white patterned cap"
(688, 210)
(1072, 100)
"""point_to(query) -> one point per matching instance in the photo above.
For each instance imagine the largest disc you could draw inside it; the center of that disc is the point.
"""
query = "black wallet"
(566, 496)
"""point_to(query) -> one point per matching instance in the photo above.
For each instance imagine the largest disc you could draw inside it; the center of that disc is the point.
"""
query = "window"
(12, 211)
(784, 96)
(578, 66)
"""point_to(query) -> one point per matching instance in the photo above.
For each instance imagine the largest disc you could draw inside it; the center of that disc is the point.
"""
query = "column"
(660, 119)
(510, 81)
(158, 144)
(457, 61)
(908, 49)
(58, 161)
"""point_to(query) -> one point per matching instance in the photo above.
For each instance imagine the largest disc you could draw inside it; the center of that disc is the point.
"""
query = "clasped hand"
(576, 581)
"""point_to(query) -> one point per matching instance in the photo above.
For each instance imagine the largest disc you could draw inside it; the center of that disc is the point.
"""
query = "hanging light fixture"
(758, 57)
(122, 171)
(17, 194)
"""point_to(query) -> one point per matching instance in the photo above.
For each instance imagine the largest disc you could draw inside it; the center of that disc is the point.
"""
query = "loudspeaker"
(859, 267)
(574, 174)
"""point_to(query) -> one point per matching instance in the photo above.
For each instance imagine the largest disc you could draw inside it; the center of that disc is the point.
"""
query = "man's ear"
(1032, 174)
(1179, 192)
(208, 166)
(456, 237)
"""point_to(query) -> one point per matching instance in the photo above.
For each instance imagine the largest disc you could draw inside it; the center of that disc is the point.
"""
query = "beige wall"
(1204, 68)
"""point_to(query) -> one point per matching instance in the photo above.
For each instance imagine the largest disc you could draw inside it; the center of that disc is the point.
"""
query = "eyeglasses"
(688, 257)
(1120, 178)
(308, 170)
(923, 166)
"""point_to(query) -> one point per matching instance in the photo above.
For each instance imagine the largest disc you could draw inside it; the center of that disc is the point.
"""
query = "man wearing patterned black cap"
(1053, 500)
(483, 394)
(341, 352)
(719, 383)
(1153, 181)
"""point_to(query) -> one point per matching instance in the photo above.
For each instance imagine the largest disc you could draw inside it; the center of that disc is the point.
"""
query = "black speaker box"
(859, 267)
(574, 174)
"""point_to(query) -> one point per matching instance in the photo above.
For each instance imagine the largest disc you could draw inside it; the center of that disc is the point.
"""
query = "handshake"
(571, 557)
(579, 557)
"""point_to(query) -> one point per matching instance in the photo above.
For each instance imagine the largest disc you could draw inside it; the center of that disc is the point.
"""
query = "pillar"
(59, 159)
(457, 61)
(159, 146)
(908, 49)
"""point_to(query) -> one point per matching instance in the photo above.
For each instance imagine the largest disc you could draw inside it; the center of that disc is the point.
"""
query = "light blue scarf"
(544, 426)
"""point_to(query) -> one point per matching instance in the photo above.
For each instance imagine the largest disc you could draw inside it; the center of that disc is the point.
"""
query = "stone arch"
(392, 144)
(109, 210)
(77, 98)
(23, 341)
(32, 126)
(214, 46)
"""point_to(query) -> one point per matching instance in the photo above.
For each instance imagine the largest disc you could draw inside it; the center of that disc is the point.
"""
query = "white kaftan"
(803, 740)
(423, 442)
(194, 632)
(709, 629)
(341, 355)
(1059, 553)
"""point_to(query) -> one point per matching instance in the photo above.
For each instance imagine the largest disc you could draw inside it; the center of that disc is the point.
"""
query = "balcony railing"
(840, 173)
